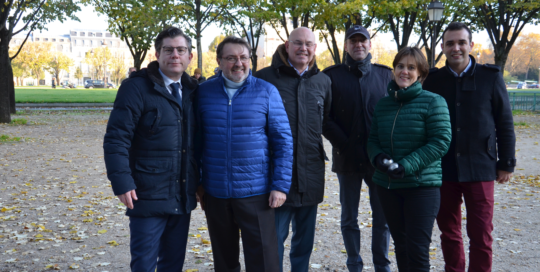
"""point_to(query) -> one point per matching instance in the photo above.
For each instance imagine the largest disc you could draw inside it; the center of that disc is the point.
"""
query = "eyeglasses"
(169, 50)
(299, 44)
(234, 60)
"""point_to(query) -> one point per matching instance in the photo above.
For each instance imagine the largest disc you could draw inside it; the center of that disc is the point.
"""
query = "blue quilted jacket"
(247, 144)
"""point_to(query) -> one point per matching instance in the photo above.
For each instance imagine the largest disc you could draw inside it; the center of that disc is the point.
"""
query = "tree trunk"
(199, 50)
(500, 56)
(254, 60)
(6, 82)
(137, 61)
(335, 47)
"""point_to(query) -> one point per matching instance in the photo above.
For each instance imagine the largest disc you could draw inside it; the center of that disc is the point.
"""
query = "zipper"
(229, 170)
(392, 137)
(229, 138)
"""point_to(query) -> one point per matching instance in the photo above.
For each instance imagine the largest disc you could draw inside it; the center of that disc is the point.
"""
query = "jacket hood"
(405, 94)
(152, 72)
(281, 63)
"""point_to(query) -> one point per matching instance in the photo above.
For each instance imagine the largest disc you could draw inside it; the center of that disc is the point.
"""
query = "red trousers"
(479, 201)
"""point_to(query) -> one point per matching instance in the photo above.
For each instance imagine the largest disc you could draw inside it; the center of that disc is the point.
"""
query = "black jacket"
(149, 145)
(200, 80)
(482, 123)
(307, 100)
(356, 89)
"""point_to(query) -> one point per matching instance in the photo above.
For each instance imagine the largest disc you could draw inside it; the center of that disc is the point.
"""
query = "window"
(54, 40)
(108, 35)
(61, 40)
(46, 39)
(82, 34)
(37, 39)
(99, 34)
(73, 33)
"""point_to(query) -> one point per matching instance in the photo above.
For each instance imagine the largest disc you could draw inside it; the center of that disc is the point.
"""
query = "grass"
(521, 124)
(49, 95)
(6, 139)
(522, 112)
(18, 121)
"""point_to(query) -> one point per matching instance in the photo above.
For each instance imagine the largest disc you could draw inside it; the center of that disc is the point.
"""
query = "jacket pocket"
(149, 124)
(491, 148)
(153, 178)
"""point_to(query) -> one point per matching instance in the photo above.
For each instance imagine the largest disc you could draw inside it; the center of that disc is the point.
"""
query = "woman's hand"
(397, 173)
(379, 162)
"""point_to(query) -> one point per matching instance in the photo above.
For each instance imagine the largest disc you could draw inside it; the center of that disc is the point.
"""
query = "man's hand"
(199, 195)
(503, 176)
(277, 199)
(128, 198)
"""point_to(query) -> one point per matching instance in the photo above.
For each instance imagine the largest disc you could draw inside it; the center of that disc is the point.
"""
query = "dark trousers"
(479, 201)
(158, 242)
(350, 186)
(254, 217)
(410, 214)
(303, 227)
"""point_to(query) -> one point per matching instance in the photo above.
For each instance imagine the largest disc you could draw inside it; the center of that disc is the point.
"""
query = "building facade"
(76, 45)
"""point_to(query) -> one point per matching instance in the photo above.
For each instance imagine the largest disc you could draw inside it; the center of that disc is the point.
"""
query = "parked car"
(67, 84)
(96, 83)
(534, 86)
(522, 85)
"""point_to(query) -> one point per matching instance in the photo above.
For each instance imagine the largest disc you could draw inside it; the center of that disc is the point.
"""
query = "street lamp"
(435, 12)
(478, 57)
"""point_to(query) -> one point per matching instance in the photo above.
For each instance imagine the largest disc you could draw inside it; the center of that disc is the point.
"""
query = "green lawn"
(49, 95)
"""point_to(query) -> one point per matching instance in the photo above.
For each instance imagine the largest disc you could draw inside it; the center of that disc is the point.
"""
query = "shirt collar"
(298, 72)
(167, 81)
(464, 71)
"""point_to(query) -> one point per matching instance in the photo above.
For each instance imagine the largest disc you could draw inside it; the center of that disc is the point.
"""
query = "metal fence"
(525, 100)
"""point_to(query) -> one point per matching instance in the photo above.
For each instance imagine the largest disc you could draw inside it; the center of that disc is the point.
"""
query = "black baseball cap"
(357, 29)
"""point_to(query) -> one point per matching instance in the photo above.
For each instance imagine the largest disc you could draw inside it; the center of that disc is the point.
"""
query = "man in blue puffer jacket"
(247, 153)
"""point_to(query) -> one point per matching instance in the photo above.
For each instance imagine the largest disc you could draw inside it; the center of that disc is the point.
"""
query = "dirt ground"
(57, 210)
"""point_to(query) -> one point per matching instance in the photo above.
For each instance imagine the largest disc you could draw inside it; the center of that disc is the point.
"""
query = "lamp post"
(435, 12)
(478, 57)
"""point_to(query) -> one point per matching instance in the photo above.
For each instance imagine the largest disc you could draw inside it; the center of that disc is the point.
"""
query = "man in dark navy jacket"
(357, 86)
(482, 148)
(149, 154)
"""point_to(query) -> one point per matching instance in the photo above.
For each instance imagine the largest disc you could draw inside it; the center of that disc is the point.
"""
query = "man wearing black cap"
(357, 86)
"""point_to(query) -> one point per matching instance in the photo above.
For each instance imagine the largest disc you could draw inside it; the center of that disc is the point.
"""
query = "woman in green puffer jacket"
(411, 126)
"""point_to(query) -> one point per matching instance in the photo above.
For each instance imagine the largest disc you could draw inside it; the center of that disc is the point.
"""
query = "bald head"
(301, 48)
(302, 32)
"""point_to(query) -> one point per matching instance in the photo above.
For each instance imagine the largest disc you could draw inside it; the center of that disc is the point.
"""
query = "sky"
(92, 20)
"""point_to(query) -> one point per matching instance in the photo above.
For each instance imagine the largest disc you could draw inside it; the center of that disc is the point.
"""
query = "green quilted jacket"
(413, 127)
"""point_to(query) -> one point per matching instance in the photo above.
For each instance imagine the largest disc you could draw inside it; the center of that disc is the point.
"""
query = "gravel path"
(57, 210)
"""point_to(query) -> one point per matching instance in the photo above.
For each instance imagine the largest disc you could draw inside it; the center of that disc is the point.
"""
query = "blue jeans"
(303, 227)
(158, 241)
(350, 186)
